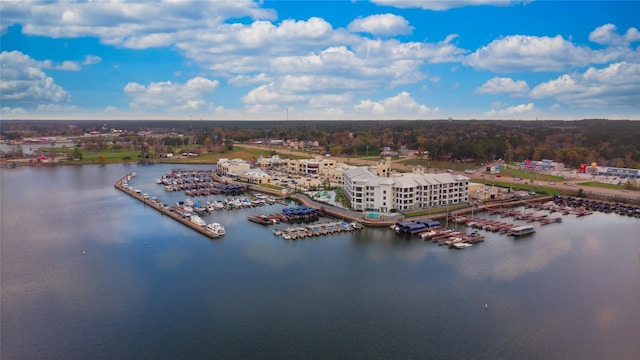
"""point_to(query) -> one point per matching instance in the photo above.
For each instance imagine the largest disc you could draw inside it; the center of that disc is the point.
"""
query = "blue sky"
(316, 60)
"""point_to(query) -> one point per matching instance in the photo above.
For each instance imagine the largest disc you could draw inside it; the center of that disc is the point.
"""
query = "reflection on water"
(88, 272)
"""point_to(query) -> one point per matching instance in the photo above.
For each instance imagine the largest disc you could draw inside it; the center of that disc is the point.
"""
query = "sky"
(320, 60)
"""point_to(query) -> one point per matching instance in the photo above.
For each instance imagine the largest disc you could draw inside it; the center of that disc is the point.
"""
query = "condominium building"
(378, 189)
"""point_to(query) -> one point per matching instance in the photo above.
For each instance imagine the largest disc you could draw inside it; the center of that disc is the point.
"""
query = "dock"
(290, 215)
(160, 207)
(301, 232)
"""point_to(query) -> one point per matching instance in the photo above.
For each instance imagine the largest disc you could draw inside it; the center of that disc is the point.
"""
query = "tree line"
(606, 142)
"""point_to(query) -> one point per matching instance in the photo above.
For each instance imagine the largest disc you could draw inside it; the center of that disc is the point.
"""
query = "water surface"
(89, 272)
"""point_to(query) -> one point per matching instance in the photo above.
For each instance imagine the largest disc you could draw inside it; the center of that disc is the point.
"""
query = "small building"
(253, 176)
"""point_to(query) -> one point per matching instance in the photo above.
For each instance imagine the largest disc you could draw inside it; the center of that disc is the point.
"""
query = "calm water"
(149, 287)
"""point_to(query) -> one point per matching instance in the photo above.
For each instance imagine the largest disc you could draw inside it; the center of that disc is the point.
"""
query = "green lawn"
(529, 175)
(272, 187)
(601, 185)
(433, 164)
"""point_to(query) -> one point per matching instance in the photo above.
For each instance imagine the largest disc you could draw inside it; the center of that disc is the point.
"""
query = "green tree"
(77, 154)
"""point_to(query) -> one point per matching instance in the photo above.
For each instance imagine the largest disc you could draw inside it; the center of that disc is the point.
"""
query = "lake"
(87, 272)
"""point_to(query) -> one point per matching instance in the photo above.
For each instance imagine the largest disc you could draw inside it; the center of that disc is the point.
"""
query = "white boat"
(521, 230)
(461, 245)
(197, 220)
(218, 204)
(216, 229)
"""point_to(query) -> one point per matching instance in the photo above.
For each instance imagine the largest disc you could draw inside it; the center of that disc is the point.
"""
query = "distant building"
(231, 167)
(270, 161)
(540, 165)
(378, 189)
(618, 172)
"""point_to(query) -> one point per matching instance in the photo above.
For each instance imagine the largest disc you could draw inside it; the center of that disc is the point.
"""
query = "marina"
(180, 214)
(199, 184)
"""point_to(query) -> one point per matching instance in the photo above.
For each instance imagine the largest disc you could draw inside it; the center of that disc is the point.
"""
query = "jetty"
(122, 185)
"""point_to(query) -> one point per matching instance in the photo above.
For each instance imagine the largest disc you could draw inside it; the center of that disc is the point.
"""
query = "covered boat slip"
(414, 227)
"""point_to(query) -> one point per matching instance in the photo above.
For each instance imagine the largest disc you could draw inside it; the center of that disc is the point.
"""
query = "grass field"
(439, 164)
(601, 185)
(119, 156)
(529, 175)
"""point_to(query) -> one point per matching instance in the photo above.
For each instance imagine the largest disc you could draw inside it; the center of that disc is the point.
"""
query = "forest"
(606, 142)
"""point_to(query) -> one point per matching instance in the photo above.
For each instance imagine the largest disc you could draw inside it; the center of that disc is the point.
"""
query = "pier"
(161, 208)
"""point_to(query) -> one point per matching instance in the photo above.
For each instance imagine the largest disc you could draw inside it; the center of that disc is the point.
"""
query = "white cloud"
(192, 95)
(616, 85)
(382, 24)
(6, 110)
(538, 53)
(514, 111)
(331, 101)
(91, 60)
(270, 94)
(301, 59)
(500, 85)
(24, 80)
(606, 35)
(439, 5)
(403, 104)
(68, 66)
(135, 25)
(244, 80)
(57, 108)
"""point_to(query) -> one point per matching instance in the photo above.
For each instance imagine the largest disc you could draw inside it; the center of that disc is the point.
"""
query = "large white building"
(231, 167)
(378, 189)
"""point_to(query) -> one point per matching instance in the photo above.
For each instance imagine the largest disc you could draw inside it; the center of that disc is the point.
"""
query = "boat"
(216, 229)
(197, 220)
(461, 245)
(521, 230)
(428, 234)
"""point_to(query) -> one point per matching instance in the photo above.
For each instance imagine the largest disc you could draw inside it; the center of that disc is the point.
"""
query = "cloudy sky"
(311, 60)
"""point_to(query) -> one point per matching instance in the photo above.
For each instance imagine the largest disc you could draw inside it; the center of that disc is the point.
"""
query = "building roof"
(365, 174)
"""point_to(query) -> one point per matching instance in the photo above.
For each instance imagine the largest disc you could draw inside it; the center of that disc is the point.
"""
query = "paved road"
(634, 194)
